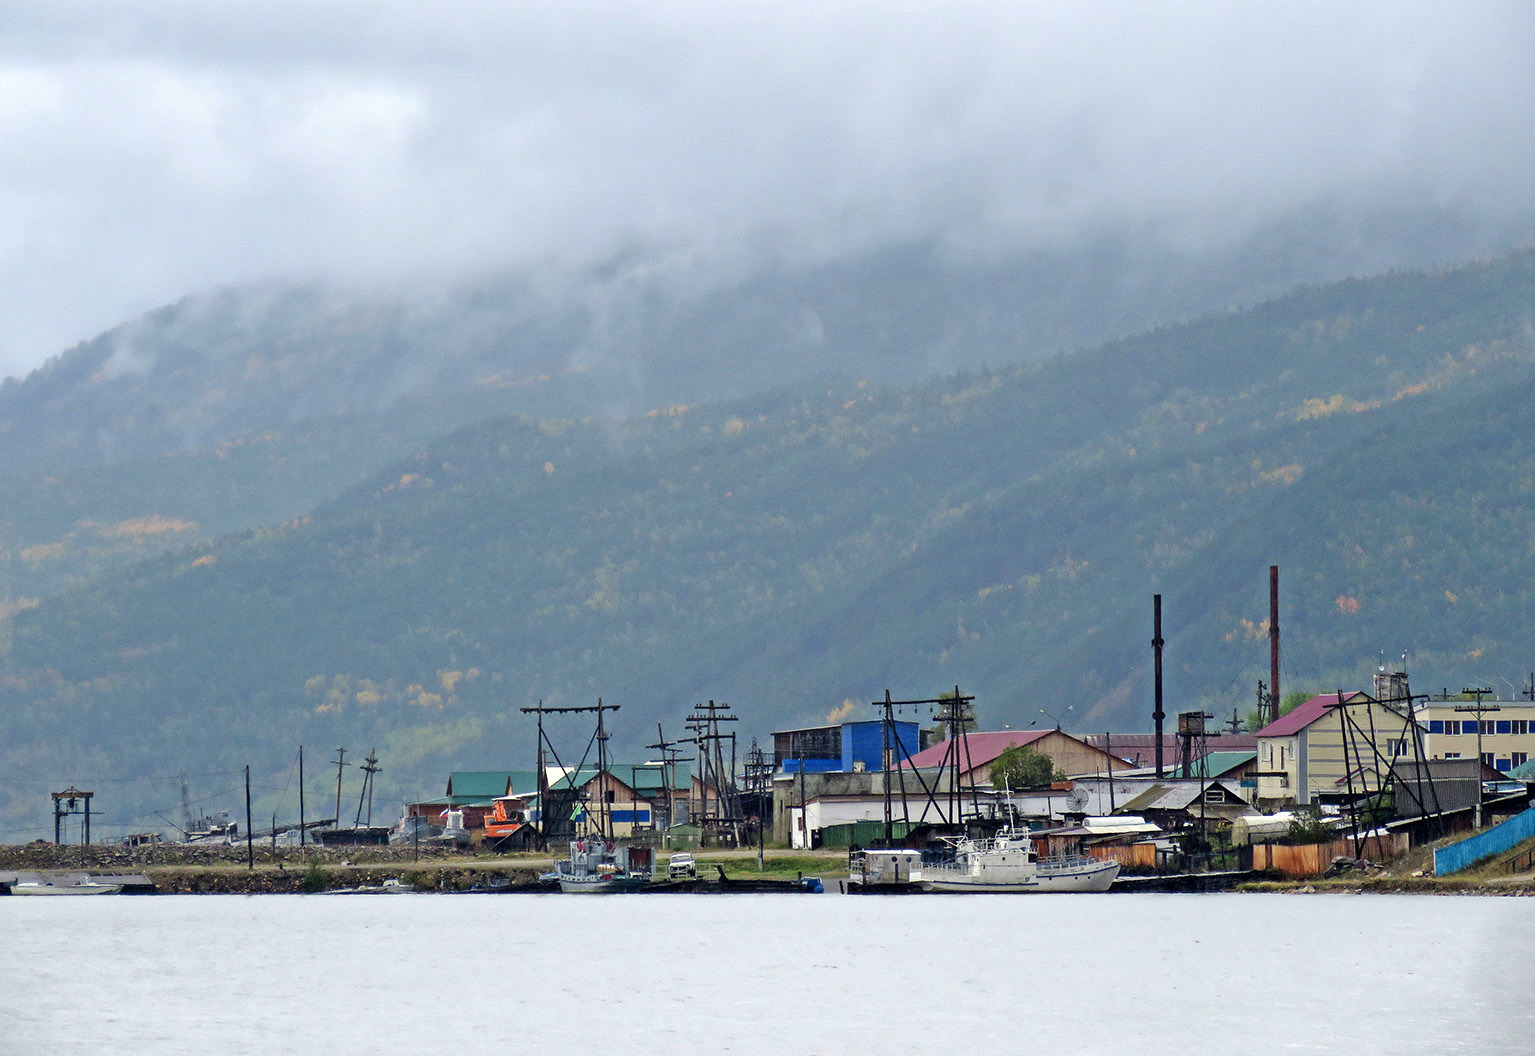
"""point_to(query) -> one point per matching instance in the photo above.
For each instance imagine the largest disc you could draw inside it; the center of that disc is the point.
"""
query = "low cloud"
(157, 149)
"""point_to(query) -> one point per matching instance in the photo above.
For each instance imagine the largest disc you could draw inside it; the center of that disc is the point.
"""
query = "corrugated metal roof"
(642, 777)
(1216, 764)
(981, 748)
(1305, 715)
(1173, 796)
(478, 784)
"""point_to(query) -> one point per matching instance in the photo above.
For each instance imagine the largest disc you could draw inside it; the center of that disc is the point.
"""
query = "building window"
(1397, 748)
(1452, 755)
(1520, 758)
(1435, 725)
(1487, 725)
(1452, 726)
(1521, 727)
(1503, 765)
(1504, 726)
(1486, 758)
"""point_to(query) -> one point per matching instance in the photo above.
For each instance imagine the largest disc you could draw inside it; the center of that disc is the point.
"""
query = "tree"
(1020, 767)
(1308, 826)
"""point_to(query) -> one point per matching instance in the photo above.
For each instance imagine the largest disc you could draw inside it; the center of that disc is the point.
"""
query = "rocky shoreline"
(218, 869)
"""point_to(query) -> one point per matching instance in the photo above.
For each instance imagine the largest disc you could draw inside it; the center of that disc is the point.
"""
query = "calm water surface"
(471, 974)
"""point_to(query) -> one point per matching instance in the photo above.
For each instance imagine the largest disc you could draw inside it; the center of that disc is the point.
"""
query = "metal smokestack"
(1274, 697)
(1157, 714)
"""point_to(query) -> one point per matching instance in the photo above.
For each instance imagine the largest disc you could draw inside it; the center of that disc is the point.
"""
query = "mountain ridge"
(797, 549)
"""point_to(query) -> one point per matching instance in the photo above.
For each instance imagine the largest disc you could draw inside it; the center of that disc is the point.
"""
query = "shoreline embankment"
(226, 869)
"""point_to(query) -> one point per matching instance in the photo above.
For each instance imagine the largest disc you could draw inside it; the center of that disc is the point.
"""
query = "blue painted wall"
(864, 742)
(1496, 840)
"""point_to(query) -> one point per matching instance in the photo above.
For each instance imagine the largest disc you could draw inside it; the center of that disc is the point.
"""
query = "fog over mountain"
(160, 149)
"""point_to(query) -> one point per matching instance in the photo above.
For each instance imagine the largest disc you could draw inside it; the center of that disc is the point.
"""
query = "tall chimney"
(1157, 714)
(1274, 697)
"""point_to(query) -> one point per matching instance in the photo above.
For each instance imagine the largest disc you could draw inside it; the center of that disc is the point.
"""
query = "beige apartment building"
(1501, 731)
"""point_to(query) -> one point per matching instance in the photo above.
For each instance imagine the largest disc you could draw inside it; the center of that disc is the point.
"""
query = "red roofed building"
(1072, 756)
(1322, 749)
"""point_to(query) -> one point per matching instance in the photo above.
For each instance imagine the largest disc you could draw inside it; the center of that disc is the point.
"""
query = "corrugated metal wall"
(864, 742)
(1496, 840)
(1311, 859)
(861, 833)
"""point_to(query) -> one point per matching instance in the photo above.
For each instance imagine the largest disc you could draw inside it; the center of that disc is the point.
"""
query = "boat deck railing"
(1066, 862)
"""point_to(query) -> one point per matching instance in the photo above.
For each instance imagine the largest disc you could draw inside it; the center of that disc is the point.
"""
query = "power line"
(51, 781)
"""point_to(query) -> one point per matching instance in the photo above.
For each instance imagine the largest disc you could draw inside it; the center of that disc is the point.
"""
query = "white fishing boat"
(1008, 864)
(391, 886)
(598, 866)
(71, 887)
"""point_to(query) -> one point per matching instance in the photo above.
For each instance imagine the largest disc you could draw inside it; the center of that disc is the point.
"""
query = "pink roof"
(1303, 716)
(982, 748)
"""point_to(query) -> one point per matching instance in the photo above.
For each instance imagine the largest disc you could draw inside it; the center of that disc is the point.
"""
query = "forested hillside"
(245, 406)
(1000, 529)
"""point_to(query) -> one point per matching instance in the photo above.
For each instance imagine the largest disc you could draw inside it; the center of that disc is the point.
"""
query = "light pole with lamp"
(1054, 717)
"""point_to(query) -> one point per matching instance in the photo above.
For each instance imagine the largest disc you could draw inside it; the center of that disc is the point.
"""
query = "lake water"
(784, 974)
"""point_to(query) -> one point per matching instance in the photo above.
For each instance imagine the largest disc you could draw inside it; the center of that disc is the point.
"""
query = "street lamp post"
(1053, 716)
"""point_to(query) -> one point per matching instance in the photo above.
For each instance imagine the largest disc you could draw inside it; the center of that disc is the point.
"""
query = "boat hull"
(602, 885)
(1095, 878)
(25, 888)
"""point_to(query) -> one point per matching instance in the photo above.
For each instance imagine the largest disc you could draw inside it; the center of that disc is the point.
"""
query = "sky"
(155, 148)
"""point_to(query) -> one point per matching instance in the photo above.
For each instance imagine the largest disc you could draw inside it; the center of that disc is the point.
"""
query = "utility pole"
(340, 762)
(757, 774)
(704, 724)
(604, 812)
(250, 846)
(953, 712)
(600, 739)
(72, 801)
(804, 822)
(301, 826)
(669, 753)
(369, 768)
(1479, 710)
